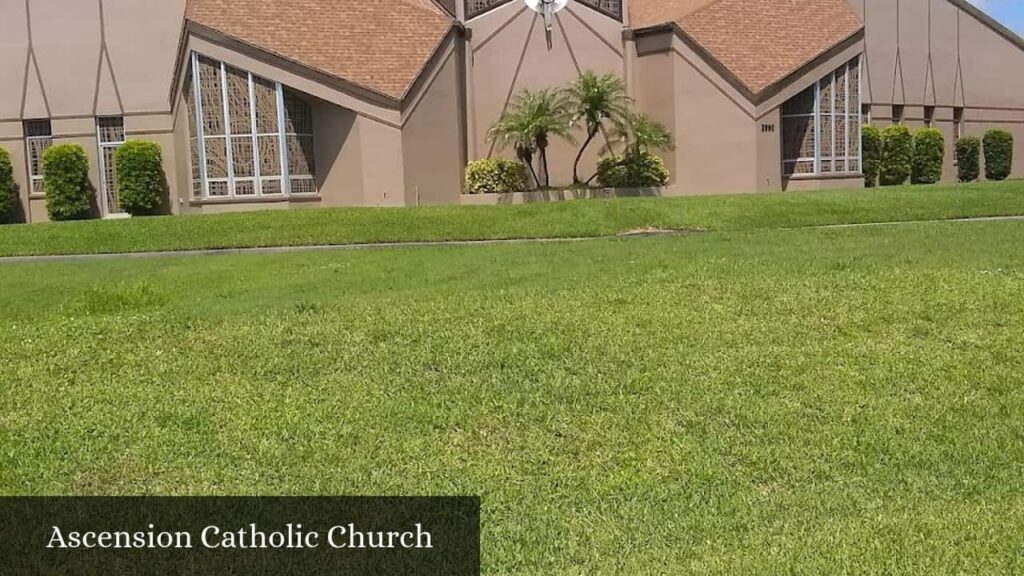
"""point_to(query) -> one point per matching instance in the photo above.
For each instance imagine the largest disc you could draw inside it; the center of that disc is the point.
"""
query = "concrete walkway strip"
(443, 243)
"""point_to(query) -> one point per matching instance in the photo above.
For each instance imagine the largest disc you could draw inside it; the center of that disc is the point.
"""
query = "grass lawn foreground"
(751, 401)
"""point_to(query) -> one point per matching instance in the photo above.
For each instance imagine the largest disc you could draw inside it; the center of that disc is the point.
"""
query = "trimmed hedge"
(998, 145)
(897, 155)
(643, 170)
(929, 152)
(8, 196)
(495, 176)
(140, 177)
(968, 158)
(871, 152)
(69, 194)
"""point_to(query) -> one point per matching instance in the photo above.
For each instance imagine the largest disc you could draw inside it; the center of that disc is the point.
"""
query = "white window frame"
(840, 164)
(33, 178)
(103, 163)
(258, 179)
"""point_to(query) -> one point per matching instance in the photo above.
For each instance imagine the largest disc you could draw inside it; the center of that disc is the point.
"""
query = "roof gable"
(758, 41)
(380, 45)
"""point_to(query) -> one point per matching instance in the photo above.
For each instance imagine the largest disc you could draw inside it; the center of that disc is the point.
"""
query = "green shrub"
(968, 158)
(871, 150)
(495, 176)
(897, 155)
(69, 194)
(634, 170)
(7, 191)
(929, 152)
(998, 145)
(140, 177)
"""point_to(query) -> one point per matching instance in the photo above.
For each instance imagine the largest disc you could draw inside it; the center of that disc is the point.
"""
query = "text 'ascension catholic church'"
(279, 103)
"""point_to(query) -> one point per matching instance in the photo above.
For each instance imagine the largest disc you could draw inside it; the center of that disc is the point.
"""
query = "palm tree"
(639, 133)
(528, 124)
(516, 131)
(594, 100)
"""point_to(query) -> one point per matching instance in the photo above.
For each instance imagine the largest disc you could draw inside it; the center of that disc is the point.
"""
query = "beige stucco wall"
(508, 51)
(71, 61)
(939, 53)
(433, 133)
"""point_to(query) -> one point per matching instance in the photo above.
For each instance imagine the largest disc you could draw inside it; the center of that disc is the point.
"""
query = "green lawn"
(553, 220)
(744, 402)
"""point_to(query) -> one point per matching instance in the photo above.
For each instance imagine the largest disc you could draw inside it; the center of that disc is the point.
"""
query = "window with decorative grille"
(612, 8)
(250, 136)
(38, 137)
(821, 125)
(110, 135)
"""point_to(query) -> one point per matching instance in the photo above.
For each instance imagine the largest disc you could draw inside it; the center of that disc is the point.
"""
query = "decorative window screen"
(821, 125)
(251, 137)
(110, 133)
(611, 8)
(475, 8)
(38, 137)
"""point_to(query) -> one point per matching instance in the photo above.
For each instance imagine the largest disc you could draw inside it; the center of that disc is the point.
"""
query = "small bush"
(968, 158)
(140, 177)
(929, 152)
(69, 194)
(7, 192)
(495, 176)
(998, 145)
(871, 150)
(897, 155)
(635, 170)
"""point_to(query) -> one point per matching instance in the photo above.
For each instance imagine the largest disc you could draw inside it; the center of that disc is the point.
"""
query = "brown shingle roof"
(378, 44)
(759, 41)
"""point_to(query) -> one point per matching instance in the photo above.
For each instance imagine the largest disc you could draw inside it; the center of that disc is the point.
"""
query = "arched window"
(250, 137)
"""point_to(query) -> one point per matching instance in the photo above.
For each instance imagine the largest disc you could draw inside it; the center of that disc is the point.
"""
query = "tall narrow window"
(897, 113)
(929, 116)
(251, 137)
(110, 135)
(821, 125)
(38, 137)
(958, 123)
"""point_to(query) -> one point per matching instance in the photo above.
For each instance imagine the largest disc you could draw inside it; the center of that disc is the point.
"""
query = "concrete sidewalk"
(444, 243)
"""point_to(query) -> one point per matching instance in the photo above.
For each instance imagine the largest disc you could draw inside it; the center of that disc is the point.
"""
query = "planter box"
(557, 196)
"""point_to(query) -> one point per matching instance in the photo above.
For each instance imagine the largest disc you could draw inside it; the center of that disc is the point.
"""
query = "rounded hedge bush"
(69, 194)
(8, 197)
(998, 145)
(871, 152)
(968, 158)
(140, 177)
(929, 152)
(634, 170)
(897, 155)
(495, 176)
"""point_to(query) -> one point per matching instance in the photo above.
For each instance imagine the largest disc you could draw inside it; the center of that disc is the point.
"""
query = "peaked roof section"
(381, 44)
(759, 41)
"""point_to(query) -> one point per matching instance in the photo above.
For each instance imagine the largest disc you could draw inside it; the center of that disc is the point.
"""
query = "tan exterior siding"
(942, 54)
(509, 52)
(73, 61)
